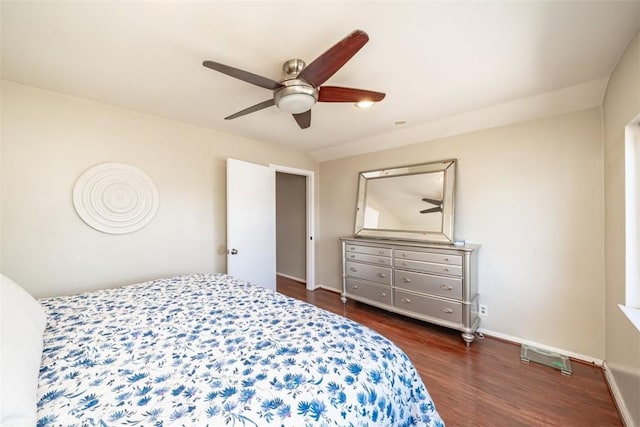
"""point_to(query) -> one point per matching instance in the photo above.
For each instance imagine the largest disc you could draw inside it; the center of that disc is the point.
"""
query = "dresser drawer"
(373, 259)
(441, 309)
(428, 257)
(449, 287)
(369, 272)
(370, 250)
(429, 267)
(381, 294)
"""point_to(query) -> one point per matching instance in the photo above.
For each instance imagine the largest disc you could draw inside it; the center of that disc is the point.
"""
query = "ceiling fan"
(300, 87)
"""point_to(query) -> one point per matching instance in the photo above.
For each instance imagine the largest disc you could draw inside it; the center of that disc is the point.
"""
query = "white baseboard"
(617, 397)
(328, 288)
(577, 356)
(297, 279)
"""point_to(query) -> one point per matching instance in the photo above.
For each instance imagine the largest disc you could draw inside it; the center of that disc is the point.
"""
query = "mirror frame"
(445, 235)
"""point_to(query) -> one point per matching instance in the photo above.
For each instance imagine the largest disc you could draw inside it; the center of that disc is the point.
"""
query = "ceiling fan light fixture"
(364, 104)
(295, 97)
(296, 103)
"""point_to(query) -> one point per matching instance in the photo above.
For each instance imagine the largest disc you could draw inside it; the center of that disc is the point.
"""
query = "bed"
(212, 350)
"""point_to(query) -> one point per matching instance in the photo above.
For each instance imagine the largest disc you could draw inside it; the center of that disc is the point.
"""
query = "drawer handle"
(446, 259)
(353, 269)
(404, 254)
(406, 280)
(354, 287)
(382, 275)
(404, 264)
(353, 256)
(353, 248)
(446, 287)
(446, 270)
(405, 300)
(382, 294)
(447, 310)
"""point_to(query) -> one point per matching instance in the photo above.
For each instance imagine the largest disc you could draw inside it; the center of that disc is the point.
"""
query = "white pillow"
(22, 323)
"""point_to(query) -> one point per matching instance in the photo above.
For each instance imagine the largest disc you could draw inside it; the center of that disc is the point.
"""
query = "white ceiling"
(446, 67)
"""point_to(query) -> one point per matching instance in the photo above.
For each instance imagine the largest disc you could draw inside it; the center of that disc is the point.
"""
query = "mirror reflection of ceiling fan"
(438, 208)
(300, 87)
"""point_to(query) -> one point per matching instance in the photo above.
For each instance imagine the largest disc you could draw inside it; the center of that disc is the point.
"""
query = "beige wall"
(49, 139)
(291, 225)
(621, 106)
(531, 194)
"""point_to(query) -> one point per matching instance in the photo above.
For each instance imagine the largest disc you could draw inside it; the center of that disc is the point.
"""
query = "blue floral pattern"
(212, 350)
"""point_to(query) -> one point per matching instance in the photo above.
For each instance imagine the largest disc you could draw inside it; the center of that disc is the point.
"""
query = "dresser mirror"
(408, 202)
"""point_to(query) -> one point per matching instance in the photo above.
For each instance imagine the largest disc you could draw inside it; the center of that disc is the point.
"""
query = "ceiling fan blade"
(303, 119)
(243, 75)
(432, 201)
(333, 59)
(261, 106)
(432, 210)
(347, 94)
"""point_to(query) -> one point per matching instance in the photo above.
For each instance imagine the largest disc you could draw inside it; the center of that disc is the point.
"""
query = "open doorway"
(295, 225)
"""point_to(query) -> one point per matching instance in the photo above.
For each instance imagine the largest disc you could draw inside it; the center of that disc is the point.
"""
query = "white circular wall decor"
(115, 198)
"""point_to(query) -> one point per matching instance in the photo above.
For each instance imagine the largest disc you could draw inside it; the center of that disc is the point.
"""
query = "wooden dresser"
(432, 282)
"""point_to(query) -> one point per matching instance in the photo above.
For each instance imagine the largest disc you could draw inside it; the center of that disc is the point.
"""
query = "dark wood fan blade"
(333, 59)
(303, 119)
(347, 94)
(245, 76)
(265, 104)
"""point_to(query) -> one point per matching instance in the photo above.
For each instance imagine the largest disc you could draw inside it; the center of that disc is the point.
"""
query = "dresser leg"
(343, 299)
(468, 338)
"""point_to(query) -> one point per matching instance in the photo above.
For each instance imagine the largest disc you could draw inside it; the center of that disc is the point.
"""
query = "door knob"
(233, 251)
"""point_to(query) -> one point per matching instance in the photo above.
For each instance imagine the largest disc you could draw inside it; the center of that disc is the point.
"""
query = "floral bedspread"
(212, 350)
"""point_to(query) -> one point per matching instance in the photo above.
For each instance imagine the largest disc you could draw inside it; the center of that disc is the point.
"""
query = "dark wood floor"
(485, 384)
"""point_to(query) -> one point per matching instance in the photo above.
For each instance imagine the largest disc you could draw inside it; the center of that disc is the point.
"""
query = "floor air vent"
(546, 358)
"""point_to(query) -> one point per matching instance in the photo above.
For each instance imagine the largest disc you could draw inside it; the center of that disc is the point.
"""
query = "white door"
(251, 223)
